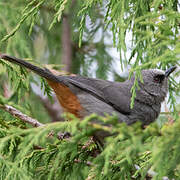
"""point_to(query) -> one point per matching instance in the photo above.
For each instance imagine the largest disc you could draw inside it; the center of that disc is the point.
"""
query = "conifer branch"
(18, 114)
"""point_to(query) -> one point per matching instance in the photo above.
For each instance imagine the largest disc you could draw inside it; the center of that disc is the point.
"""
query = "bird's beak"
(170, 70)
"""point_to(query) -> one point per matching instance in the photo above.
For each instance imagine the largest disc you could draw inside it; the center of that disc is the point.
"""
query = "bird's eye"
(158, 78)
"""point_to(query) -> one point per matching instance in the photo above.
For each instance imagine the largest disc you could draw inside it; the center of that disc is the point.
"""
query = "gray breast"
(144, 113)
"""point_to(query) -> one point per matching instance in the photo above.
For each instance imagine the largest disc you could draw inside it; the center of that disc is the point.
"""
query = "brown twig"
(16, 113)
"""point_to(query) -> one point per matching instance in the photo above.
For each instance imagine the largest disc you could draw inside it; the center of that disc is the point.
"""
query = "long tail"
(42, 72)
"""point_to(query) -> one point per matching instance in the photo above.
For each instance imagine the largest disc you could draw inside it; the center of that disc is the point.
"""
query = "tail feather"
(42, 72)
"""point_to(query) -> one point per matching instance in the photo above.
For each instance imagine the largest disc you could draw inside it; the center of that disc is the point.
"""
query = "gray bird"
(83, 96)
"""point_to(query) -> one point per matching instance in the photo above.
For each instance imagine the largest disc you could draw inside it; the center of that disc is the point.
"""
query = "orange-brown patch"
(67, 99)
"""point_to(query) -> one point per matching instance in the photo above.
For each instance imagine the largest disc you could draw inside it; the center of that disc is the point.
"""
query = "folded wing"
(112, 93)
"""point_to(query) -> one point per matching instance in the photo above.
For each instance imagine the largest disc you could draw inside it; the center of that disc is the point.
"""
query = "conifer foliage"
(146, 35)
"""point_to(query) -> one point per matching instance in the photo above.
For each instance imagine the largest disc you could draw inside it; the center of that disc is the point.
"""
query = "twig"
(16, 113)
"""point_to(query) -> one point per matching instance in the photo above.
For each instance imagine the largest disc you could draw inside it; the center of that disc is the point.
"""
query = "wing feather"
(112, 93)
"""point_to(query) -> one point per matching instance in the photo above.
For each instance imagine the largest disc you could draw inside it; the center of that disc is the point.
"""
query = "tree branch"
(66, 44)
(16, 113)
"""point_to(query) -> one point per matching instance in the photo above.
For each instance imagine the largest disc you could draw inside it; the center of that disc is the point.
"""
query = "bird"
(83, 96)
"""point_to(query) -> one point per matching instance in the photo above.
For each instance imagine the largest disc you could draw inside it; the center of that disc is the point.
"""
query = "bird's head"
(155, 82)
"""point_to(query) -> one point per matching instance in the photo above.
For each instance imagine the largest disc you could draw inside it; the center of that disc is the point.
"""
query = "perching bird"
(82, 96)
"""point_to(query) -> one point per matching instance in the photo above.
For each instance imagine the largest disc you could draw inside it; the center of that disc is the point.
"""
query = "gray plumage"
(101, 96)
